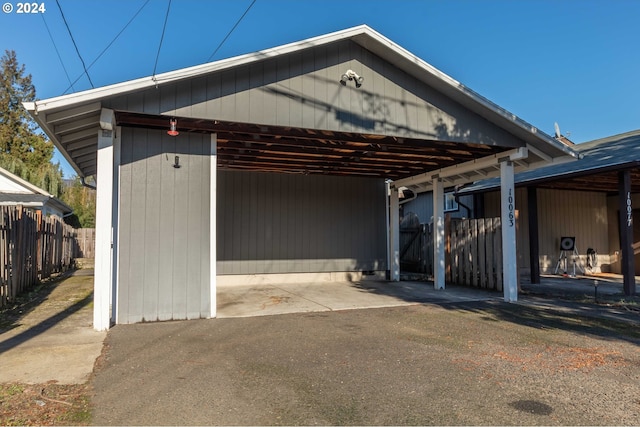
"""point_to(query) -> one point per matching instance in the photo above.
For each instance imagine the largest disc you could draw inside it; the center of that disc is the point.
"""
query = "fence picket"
(32, 248)
(473, 256)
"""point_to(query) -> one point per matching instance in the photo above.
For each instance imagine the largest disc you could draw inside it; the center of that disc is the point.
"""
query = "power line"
(164, 27)
(57, 51)
(234, 27)
(74, 43)
(111, 43)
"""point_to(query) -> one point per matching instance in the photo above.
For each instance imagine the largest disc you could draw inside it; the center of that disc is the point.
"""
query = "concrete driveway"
(447, 363)
(264, 299)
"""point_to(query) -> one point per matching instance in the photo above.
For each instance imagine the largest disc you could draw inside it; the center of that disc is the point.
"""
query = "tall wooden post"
(626, 232)
(534, 245)
(213, 236)
(394, 235)
(438, 234)
(509, 255)
(104, 224)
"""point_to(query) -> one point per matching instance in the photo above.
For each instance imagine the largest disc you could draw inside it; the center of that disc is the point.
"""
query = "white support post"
(394, 235)
(509, 256)
(213, 192)
(438, 234)
(115, 222)
(103, 276)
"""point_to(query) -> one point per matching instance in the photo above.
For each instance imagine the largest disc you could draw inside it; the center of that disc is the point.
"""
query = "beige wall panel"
(579, 214)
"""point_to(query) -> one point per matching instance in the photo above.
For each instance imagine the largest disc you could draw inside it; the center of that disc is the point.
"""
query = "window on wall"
(450, 203)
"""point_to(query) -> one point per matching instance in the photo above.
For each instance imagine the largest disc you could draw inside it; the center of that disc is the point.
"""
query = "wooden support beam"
(508, 219)
(438, 235)
(534, 245)
(626, 232)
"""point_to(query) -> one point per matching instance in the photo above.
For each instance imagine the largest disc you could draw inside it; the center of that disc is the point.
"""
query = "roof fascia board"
(44, 125)
(551, 178)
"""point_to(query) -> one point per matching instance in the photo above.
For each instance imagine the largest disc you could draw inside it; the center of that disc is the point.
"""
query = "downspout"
(403, 201)
(84, 183)
(456, 196)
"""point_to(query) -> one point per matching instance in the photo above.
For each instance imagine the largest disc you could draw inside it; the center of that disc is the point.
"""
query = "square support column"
(438, 234)
(104, 276)
(508, 220)
(394, 235)
(534, 244)
(213, 236)
(626, 232)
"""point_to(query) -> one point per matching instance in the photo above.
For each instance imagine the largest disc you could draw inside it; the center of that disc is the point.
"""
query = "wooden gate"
(416, 249)
(473, 251)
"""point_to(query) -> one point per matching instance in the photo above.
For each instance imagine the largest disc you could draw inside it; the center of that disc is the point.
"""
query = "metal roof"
(595, 171)
(72, 121)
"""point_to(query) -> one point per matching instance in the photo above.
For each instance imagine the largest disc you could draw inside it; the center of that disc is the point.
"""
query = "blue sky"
(573, 62)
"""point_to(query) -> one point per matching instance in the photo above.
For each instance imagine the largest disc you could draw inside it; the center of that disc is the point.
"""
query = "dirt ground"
(48, 403)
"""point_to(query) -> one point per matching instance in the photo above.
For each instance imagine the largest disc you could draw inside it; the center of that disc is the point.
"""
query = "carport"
(285, 162)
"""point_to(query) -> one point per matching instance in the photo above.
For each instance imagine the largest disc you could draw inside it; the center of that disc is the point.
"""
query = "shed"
(287, 164)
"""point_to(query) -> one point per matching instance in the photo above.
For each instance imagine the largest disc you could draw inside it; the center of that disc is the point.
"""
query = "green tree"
(24, 150)
(83, 202)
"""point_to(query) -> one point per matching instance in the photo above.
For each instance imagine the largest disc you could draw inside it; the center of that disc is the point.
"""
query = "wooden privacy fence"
(32, 247)
(474, 256)
(473, 251)
(86, 243)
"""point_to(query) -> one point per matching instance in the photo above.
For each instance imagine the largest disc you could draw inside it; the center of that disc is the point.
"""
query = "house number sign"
(629, 210)
(510, 208)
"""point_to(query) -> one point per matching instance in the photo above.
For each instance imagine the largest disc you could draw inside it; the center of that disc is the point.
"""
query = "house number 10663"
(510, 208)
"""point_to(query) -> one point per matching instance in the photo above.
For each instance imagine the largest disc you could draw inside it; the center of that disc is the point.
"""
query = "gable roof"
(25, 193)
(72, 118)
(601, 157)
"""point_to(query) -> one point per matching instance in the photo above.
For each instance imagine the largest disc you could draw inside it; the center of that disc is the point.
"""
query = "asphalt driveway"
(447, 363)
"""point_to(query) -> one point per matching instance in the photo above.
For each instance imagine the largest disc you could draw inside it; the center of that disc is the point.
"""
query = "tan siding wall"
(614, 231)
(581, 214)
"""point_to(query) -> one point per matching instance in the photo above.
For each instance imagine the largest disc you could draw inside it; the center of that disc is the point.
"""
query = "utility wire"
(110, 43)
(57, 51)
(228, 34)
(164, 27)
(74, 43)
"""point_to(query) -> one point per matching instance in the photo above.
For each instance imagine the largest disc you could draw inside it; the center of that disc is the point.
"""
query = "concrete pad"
(55, 341)
(270, 299)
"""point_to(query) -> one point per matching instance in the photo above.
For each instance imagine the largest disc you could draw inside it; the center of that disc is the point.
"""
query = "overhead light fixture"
(351, 75)
(172, 129)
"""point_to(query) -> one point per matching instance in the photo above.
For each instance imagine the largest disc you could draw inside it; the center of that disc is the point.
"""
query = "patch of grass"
(10, 390)
(44, 404)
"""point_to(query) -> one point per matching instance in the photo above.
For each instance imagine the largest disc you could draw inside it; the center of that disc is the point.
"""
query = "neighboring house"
(283, 164)
(16, 191)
